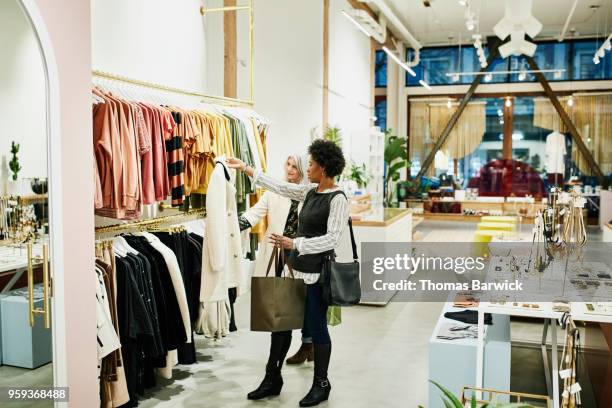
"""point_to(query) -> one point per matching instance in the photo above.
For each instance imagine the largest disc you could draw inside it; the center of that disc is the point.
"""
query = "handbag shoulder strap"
(350, 224)
(353, 244)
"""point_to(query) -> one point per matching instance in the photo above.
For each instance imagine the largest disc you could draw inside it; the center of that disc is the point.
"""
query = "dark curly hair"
(328, 155)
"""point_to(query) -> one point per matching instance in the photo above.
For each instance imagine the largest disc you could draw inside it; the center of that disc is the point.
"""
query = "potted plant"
(333, 134)
(396, 159)
(451, 401)
(358, 174)
(13, 185)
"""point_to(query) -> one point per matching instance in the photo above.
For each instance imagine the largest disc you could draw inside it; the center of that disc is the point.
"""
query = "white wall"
(288, 73)
(152, 40)
(349, 82)
(22, 95)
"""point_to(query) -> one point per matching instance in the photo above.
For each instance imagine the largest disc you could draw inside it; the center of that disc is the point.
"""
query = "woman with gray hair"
(281, 215)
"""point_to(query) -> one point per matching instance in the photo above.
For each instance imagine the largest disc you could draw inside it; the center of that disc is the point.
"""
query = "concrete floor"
(379, 359)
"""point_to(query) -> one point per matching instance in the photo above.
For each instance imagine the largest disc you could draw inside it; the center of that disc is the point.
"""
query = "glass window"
(574, 57)
(381, 69)
(583, 67)
(548, 56)
(498, 64)
(380, 110)
(435, 64)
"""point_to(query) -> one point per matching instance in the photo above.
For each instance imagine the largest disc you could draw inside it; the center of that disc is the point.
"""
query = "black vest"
(313, 223)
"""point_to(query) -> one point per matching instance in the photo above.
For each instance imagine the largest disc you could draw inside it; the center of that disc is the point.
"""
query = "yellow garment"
(260, 148)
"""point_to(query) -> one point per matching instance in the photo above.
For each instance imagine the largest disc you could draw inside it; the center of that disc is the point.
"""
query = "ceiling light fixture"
(424, 84)
(479, 50)
(356, 23)
(488, 77)
(449, 103)
(570, 101)
(601, 51)
(508, 102)
(522, 76)
(518, 21)
(398, 61)
(525, 71)
(470, 19)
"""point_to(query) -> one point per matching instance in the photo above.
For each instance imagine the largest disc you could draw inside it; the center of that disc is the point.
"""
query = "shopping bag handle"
(278, 255)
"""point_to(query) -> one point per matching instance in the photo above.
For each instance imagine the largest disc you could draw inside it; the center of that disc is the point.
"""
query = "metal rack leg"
(544, 348)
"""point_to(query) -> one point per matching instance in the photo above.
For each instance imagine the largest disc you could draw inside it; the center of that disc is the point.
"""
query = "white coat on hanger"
(221, 252)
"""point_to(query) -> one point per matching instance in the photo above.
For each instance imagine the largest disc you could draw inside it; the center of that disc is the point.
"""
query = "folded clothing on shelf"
(468, 316)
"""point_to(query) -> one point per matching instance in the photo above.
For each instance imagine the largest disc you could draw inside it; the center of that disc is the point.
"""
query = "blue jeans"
(315, 316)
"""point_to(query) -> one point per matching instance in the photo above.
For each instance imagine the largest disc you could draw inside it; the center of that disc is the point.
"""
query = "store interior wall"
(152, 40)
(22, 95)
(288, 74)
(350, 83)
(71, 47)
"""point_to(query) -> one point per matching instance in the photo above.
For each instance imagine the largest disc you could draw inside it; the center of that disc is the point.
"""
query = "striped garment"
(174, 150)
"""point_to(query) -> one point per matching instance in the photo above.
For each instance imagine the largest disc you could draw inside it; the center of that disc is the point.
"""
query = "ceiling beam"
(568, 123)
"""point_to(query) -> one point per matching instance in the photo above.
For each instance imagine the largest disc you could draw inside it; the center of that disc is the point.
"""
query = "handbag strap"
(353, 244)
(350, 224)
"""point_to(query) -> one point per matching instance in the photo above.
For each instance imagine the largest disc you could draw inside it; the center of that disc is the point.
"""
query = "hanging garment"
(221, 260)
(555, 153)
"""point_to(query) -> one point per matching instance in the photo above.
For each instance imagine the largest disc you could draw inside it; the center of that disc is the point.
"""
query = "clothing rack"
(168, 219)
(206, 98)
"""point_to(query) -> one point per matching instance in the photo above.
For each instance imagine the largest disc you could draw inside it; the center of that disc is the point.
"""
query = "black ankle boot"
(318, 393)
(321, 387)
(273, 381)
(270, 386)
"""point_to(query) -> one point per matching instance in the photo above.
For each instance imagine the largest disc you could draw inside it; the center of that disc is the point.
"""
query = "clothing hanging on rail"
(155, 306)
(145, 153)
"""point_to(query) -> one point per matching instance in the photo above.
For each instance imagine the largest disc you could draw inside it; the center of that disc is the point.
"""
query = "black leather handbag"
(340, 280)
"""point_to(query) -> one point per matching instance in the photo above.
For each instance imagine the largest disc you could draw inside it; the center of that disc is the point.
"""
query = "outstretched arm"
(290, 190)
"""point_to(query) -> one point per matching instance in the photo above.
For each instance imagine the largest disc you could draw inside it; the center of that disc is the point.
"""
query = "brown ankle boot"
(304, 353)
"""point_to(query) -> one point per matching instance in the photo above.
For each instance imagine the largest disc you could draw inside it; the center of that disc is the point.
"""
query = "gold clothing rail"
(208, 98)
(168, 219)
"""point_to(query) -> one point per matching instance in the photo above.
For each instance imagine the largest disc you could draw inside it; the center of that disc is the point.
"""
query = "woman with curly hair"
(323, 215)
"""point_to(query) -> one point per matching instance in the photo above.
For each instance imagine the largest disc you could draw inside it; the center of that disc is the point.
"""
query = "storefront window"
(381, 69)
(380, 110)
(583, 67)
(573, 58)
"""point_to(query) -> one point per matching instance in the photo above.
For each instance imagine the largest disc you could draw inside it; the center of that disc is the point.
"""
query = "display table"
(378, 225)
(607, 233)
(451, 362)
(550, 317)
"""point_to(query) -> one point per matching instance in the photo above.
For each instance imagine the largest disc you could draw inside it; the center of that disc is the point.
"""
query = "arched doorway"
(33, 187)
